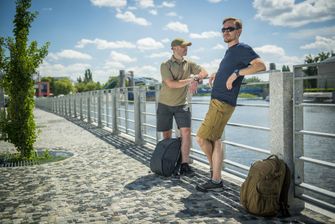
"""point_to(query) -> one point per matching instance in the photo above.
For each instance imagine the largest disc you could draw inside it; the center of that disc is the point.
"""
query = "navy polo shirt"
(237, 56)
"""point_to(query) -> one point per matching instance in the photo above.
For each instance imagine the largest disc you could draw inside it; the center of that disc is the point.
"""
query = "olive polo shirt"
(176, 70)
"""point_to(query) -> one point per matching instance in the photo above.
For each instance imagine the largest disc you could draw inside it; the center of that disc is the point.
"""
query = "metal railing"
(307, 188)
(127, 110)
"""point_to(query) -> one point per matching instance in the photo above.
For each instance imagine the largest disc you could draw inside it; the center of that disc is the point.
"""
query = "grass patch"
(40, 157)
(247, 96)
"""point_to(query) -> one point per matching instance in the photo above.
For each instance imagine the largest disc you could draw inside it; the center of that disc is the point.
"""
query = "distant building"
(42, 89)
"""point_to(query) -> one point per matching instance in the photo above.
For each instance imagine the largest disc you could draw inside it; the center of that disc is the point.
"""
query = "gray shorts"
(165, 115)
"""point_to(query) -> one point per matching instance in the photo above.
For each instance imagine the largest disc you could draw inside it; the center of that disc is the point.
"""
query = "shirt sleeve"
(195, 69)
(165, 72)
(248, 55)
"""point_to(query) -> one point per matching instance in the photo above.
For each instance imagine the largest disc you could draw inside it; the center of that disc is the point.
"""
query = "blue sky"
(108, 35)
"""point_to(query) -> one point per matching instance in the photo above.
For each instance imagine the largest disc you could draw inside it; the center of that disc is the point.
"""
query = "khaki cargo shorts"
(215, 121)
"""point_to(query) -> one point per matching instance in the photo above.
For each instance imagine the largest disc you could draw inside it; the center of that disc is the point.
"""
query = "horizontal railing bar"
(239, 104)
(315, 133)
(317, 202)
(314, 105)
(249, 126)
(317, 161)
(149, 125)
(121, 118)
(235, 172)
(314, 77)
(232, 163)
(151, 114)
(149, 136)
(247, 147)
(317, 189)
(129, 120)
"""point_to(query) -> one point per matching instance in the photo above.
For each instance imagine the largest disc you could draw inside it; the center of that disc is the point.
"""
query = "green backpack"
(265, 190)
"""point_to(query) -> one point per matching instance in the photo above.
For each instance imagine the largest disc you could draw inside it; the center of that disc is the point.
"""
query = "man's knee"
(200, 140)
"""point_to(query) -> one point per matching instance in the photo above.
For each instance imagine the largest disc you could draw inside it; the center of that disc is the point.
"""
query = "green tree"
(112, 82)
(312, 70)
(285, 68)
(63, 86)
(252, 79)
(88, 76)
(19, 69)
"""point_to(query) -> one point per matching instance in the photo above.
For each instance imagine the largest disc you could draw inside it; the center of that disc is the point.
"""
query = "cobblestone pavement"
(108, 180)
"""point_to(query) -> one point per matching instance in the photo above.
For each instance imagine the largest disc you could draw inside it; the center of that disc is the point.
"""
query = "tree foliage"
(285, 68)
(19, 68)
(312, 70)
(87, 83)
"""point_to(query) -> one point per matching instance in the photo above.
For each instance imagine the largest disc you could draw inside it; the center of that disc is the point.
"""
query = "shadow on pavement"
(223, 204)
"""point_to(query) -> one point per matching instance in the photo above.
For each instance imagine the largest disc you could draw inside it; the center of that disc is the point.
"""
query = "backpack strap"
(283, 198)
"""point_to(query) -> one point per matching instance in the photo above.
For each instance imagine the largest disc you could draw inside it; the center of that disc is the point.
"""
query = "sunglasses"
(229, 29)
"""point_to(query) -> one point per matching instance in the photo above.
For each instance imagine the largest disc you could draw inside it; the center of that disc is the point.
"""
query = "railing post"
(75, 105)
(281, 115)
(70, 111)
(65, 105)
(99, 108)
(81, 106)
(157, 88)
(89, 107)
(298, 124)
(137, 116)
(107, 107)
(114, 112)
(126, 116)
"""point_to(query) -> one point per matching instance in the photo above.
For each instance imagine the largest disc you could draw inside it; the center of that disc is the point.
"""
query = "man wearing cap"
(176, 81)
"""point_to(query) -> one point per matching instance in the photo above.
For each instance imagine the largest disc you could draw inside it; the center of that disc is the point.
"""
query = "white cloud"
(109, 3)
(113, 65)
(146, 3)
(289, 13)
(165, 40)
(160, 55)
(214, 1)
(177, 26)
(212, 66)
(146, 71)
(119, 57)
(323, 31)
(153, 12)
(69, 54)
(206, 35)
(194, 57)
(219, 47)
(72, 71)
(104, 44)
(149, 44)
(172, 14)
(131, 18)
(275, 54)
(321, 43)
(168, 4)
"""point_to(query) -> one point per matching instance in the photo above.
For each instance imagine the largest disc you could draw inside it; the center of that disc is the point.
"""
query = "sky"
(106, 36)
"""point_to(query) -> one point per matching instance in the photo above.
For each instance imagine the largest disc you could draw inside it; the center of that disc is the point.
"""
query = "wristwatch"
(237, 72)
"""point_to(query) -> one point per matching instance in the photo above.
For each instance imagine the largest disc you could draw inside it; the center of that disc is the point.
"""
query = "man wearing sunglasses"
(176, 81)
(239, 60)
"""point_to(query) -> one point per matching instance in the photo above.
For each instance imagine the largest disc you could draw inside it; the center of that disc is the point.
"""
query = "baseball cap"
(180, 42)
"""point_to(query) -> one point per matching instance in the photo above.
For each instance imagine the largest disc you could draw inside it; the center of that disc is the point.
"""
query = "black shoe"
(210, 186)
(186, 170)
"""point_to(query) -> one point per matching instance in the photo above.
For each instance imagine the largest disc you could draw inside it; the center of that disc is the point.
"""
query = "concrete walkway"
(108, 180)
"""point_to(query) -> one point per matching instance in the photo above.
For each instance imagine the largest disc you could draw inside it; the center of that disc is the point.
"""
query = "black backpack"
(166, 158)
